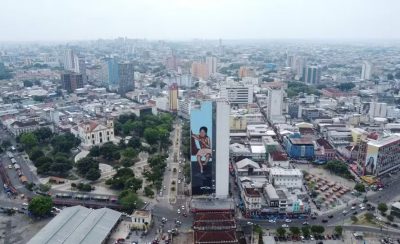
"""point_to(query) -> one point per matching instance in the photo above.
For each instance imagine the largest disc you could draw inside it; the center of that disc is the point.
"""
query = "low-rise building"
(94, 132)
(278, 159)
(299, 147)
(141, 219)
(289, 178)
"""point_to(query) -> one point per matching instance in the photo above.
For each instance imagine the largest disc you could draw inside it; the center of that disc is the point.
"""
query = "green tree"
(148, 192)
(346, 86)
(133, 184)
(354, 218)
(305, 230)
(127, 162)
(129, 153)
(135, 143)
(83, 165)
(40, 206)
(151, 135)
(382, 207)
(339, 230)
(95, 151)
(281, 231)
(6, 143)
(129, 201)
(295, 230)
(359, 187)
(317, 229)
(110, 151)
(44, 187)
(93, 174)
(35, 153)
(28, 140)
(369, 216)
(43, 134)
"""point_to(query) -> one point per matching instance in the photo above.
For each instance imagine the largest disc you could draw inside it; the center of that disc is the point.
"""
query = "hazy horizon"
(80, 20)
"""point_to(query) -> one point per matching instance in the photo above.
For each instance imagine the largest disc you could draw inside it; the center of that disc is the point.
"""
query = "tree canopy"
(40, 206)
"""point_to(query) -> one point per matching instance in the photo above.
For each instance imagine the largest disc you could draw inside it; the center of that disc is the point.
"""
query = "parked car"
(285, 226)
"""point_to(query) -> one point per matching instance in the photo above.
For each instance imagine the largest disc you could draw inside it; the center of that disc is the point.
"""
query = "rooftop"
(324, 143)
(384, 141)
(300, 141)
(288, 172)
(78, 225)
(278, 156)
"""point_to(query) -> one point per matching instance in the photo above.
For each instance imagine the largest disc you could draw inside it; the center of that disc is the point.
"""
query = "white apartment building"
(366, 70)
(237, 94)
(274, 102)
(377, 110)
(94, 133)
(289, 178)
(211, 64)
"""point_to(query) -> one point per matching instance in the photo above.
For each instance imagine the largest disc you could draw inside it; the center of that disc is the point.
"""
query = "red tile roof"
(215, 237)
(324, 143)
(279, 156)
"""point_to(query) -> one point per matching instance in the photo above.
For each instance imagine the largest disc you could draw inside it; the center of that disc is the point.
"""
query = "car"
(272, 221)
(355, 212)
(324, 220)
(380, 189)
(285, 226)
(305, 223)
(183, 207)
(313, 217)
(330, 216)
(178, 211)
(25, 204)
(184, 214)
(164, 187)
(10, 166)
(179, 181)
(179, 171)
(345, 212)
(352, 208)
(288, 220)
(362, 208)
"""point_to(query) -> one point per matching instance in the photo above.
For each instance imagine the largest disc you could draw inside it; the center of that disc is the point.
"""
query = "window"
(108, 133)
(92, 135)
(93, 142)
(100, 134)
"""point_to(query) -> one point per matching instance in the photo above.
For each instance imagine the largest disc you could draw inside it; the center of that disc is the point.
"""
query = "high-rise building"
(126, 77)
(209, 125)
(173, 98)
(109, 68)
(274, 103)
(171, 62)
(211, 65)
(71, 81)
(238, 94)
(366, 70)
(378, 157)
(200, 70)
(69, 60)
(312, 74)
(246, 72)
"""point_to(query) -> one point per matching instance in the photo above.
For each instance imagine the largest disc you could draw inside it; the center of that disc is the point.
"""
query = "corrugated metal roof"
(78, 225)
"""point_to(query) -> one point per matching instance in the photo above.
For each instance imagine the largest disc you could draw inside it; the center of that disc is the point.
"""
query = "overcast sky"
(34, 20)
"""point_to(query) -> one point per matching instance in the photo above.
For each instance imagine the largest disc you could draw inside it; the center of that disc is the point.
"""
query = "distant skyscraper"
(71, 81)
(274, 102)
(366, 71)
(211, 65)
(171, 62)
(173, 97)
(110, 76)
(312, 74)
(126, 77)
(69, 60)
(238, 94)
(246, 72)
(199, 70)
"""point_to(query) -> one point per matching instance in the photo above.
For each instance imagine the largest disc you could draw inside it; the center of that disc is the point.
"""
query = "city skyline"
(45, 20)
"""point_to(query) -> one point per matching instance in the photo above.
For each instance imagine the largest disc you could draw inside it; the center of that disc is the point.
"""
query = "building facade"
(71, 81)
(238, 94)
(289, 178)
(312, 74)
(173, 98)
(94, 133)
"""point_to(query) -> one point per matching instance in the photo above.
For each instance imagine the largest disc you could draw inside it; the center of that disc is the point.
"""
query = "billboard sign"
(370, 166)
(202, 150)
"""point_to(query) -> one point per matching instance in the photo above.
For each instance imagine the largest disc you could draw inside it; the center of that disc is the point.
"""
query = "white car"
(344, 211)
(178, 211)
(288, 220)
(362, 208)
(272, 221)
(179, 171)
(285, 226)
(25, 204)
(183, 207)
(352, 208)
(179, 181)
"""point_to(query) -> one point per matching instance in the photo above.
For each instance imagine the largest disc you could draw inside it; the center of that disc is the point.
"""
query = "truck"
(23, 179)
